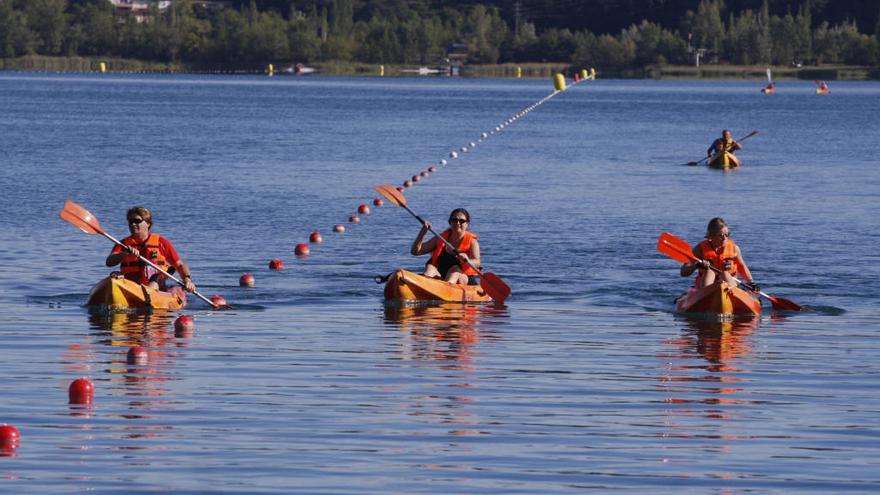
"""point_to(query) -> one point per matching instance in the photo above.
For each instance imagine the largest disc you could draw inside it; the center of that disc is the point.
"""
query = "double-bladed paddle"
(88, 223)
(710, 156)
(497, 289)
(679, 250)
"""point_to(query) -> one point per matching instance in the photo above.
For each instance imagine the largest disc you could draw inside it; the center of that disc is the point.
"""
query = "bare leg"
(431, 272)
(456, 276)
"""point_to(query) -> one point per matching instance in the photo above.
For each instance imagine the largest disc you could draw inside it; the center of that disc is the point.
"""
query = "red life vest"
(463, 247)
(724, 260)
(135, 269)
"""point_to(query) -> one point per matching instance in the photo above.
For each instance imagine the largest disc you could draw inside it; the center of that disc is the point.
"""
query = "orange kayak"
(404, 285)
(719, 299)
(119, 293)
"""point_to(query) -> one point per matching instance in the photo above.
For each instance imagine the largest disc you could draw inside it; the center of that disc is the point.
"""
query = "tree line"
(252, 33)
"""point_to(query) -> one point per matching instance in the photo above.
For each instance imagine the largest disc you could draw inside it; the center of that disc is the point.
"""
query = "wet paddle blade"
(391, 194)
(782, 303)
(675, 248)
(80, 218)
(497, 289)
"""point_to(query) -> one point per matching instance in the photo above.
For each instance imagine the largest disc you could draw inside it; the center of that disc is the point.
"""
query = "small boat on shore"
(116, 293)
(403, 285)
(718, 299)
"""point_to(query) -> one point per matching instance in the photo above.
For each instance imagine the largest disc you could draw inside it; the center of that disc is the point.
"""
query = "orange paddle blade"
(675, 248)
(391, 194)
(782, 303)
(497, 289)
(80, 218)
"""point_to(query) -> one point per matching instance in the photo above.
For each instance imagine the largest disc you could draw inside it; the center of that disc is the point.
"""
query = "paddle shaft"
(172, 277)
(448, 244)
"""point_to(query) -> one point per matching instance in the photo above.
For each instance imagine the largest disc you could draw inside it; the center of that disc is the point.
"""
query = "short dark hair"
(462, 211)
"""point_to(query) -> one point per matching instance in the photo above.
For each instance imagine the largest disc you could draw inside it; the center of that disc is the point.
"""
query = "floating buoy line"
(303, 250)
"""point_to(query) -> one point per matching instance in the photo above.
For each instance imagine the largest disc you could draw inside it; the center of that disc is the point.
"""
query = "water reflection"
(710, 387)
(142, 383)
(449, 335)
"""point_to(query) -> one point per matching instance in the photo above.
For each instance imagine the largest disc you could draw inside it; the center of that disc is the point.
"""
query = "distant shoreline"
(533, 70)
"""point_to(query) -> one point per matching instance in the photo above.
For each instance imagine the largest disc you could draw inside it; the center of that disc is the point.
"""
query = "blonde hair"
(141, 211)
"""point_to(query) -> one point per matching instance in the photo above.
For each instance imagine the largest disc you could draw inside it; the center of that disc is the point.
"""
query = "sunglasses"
(135, 221)
(722, 235)
(458, 221)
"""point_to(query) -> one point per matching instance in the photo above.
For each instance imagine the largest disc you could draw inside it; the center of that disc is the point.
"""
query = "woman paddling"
(717, 250)
(444, 263)
(724, 146)
(151, 246)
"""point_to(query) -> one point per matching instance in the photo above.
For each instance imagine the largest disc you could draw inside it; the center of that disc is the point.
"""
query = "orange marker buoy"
(416, 178)
(137, 355)
(407, 183)
(246, 280)
(81, 391)
(432, 169)
(301, 249)
(218, 301)
(399, 189)
(315, 237)
(364, 210)
(184, 323)
(378, 202)
(354, 219)
(276, 264)
(339, 228)
(424, 173)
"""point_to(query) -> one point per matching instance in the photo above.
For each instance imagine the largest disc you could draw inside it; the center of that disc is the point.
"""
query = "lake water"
(585, 381)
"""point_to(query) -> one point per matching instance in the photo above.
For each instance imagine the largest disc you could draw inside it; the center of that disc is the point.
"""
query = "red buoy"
(406, 183)
(339, 228)
(10, 437)
(364, 210)
(81, 391)
(416, 178)
(424, 173)
(137, 355)
(276, 264)
(354, 219)
(399, 189)
(218, 301)
(378, 202)
(432, 169)
(184, 322)
(315, 237)
(246, 280)
(301, 249)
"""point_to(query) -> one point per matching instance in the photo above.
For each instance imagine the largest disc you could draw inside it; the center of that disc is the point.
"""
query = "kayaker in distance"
(717, 250)
(151, 246)
(445, 264)
(725, 144)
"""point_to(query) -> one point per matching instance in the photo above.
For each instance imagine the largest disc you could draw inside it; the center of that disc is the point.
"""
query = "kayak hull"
(403, 285)
(718, 299)
(724, 161)
(120, 294)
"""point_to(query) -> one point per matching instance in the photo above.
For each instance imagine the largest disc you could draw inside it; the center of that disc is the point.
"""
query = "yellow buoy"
(518, 72)
(381, 71)
(585, 74)
(559, 82)
(270, 69)
(593, 73)
(102, 67)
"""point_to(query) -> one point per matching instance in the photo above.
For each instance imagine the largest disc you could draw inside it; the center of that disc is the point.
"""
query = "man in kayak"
(717, 250)
(451, 266)
(151, 246)
(724, 144)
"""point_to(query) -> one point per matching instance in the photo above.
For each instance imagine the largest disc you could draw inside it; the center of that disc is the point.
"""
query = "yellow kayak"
(404, 285)
(724, 161)
(718, 299)
(118, 293)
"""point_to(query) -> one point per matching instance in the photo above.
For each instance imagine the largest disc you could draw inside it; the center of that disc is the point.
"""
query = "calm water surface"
(585, 381)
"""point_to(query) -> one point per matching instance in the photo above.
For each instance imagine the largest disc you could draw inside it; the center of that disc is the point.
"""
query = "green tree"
(46, 18)
(15, 37)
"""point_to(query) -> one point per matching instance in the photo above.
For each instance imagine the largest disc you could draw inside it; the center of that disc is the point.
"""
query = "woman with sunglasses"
(717, 250)
(151, 246)
(451, 266)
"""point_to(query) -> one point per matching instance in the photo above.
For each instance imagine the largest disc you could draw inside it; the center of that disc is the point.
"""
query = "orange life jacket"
(463, 247)
(724, 261)
(133, 268)
(722, 145)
